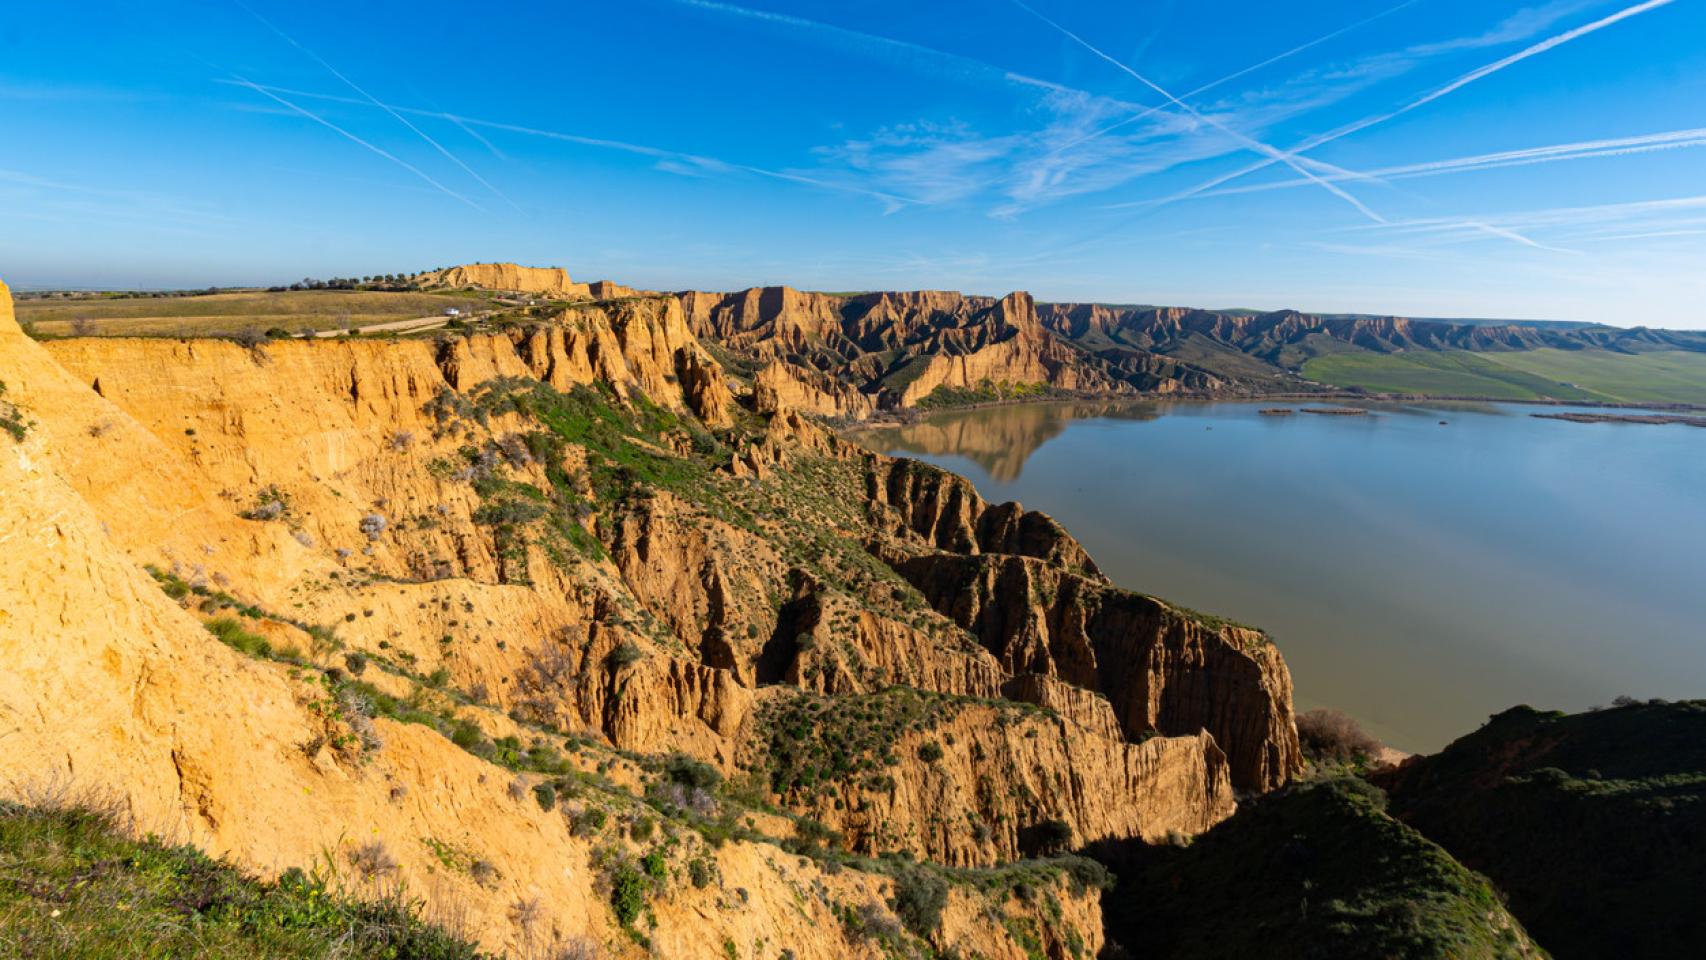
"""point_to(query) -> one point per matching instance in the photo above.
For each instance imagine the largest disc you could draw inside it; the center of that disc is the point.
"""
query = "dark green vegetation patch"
(1315, 870)
(1594, 824)
(72, 885)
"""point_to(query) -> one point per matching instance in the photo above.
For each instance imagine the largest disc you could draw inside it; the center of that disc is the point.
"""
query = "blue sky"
(1431, 158)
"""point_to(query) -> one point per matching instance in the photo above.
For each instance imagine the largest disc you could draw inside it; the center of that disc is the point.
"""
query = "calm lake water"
(1417, 576)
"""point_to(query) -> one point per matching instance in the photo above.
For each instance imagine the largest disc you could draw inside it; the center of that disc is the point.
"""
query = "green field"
(1587, 375)
(225, 313)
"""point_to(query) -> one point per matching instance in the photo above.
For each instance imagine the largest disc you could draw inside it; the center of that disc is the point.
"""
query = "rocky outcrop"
(782, 386)
(945, 510)
(979, 783)
(848, 356)
(551, 282)
(1152, 661)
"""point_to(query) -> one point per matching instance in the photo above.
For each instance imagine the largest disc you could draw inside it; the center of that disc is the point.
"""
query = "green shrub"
(234, 635)
(688, 772)
(546, 795)
(919, 896)
(588, 822)
(700, 872)
(628, 888)
(466, 733)
(930, 752)
(11, 418)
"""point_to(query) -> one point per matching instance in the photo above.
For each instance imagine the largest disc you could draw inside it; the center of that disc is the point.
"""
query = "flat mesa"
(1658, 418)
(1336, 411)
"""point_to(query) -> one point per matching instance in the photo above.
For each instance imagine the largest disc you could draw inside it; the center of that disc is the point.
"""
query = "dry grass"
(230, 313)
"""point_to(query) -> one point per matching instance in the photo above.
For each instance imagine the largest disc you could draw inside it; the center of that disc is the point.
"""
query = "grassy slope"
(1447, 374)
(293, 310)
(1317, 870)
(1672, 376)
(73, 886)
(1594, 375)
(1594, 824)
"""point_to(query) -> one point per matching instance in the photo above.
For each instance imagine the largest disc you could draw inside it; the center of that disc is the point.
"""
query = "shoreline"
(911, 415)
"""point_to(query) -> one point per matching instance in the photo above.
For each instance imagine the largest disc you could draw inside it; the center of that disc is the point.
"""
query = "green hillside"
(1593, 823)
(1586, 375)
(1316, 870)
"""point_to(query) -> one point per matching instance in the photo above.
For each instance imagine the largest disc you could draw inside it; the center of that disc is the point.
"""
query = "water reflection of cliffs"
(998, 439)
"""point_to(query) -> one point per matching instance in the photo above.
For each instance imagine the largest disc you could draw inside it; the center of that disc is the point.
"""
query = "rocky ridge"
(558, 533)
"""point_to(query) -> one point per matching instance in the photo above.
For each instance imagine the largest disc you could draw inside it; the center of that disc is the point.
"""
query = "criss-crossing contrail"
(1455, 85)
(334, 71)
(1276, 58)
(265, 92)
(1582, 150)
(905, 50)
(1299, 164)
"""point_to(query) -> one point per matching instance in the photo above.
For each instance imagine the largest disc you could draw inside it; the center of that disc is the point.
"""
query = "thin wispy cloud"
(334, 71)
(1459, 83)
(1290, 160)
(670, 161)
(266, 92)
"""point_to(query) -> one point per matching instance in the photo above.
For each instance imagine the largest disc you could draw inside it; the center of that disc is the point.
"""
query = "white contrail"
(909, 51)
(659, 153)
(1587, 149)
(1643, 236)
(334, 71)
(1559, 216)
(1458, 84)
(1275, 155)
(332, 126)
(1507, 225)
(1234, 76)
(1510, 234)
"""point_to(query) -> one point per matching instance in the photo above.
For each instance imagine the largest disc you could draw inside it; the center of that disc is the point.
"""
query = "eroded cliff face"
(550, 282)
(566, 536)
(280, 759)
(1144, 338)
(849, 356)
(1150, 659)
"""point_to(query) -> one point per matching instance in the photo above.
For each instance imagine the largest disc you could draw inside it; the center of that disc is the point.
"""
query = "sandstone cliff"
(1207, 349)
(848, 356)
(560, 553)
(551, 282)
(274, 755)
(1149, 658)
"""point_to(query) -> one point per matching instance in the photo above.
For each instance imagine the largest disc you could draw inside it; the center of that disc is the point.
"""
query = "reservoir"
(1418, 575)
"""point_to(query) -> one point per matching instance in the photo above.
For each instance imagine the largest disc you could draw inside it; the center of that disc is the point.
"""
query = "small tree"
(1327, 734)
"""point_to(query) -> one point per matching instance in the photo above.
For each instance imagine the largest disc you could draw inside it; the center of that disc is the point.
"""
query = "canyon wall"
(567, 536)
